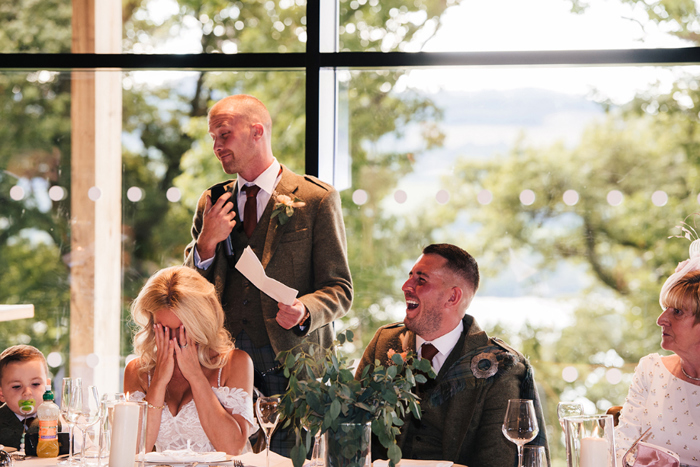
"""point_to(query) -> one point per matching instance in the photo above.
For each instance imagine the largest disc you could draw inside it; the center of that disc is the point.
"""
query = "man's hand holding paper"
(292, 311)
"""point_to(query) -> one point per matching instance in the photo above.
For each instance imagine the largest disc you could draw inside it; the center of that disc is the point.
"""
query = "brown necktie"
(250, 212)
(428, 351)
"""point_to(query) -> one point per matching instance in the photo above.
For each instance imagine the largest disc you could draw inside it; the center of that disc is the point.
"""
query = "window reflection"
(565, 184)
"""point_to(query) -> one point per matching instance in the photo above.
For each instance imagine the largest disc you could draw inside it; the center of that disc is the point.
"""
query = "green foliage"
(35, 26)
(323, 393)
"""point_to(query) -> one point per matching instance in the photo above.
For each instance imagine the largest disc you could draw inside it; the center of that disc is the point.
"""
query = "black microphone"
(216, 192)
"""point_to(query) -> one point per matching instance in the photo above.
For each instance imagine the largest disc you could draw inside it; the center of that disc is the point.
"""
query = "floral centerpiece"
(323, 394)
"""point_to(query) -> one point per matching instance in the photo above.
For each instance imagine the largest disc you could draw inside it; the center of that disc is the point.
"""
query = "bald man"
(304, 249)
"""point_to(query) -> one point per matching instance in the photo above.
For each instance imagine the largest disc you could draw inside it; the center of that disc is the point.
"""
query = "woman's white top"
(667, 404)
(176, 431)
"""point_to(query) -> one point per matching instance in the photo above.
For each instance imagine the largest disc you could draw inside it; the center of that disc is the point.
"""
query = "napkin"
(250, 266)
(251, 459)
(413, 463)
(185, 456)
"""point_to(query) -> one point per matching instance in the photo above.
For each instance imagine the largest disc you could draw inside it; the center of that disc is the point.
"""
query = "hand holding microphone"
(217, 223)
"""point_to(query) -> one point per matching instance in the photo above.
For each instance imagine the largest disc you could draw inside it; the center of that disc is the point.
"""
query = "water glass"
(534, 456)
(568, 409)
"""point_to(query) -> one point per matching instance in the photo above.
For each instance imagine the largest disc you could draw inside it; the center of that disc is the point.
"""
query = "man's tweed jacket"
(308, 253)
(465, 411)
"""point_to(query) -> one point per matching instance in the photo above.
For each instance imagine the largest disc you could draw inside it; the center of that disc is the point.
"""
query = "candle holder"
(123, 433)
(590, 441)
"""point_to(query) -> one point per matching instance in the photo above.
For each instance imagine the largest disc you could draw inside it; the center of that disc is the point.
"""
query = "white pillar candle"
(125, 429)
(595, 452)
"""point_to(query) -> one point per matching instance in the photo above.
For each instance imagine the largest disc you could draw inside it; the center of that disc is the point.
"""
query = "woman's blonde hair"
(684, 295)
(193, 300)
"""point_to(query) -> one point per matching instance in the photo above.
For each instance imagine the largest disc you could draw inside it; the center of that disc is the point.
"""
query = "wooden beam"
(11, 312)
(96, 113)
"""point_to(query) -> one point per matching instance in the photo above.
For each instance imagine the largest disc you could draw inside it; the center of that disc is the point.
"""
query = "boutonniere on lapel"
(404, 347)
(284, 207)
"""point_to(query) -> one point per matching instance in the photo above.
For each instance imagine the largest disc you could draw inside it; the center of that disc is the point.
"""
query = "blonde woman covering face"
(197, 385)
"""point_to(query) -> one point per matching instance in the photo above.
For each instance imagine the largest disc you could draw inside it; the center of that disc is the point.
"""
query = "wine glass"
(568, 409)
(70, 396)
(88, 414)
(520, 424)
(268, 414)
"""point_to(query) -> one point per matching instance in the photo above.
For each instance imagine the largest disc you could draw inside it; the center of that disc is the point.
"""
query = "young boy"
(23, 378)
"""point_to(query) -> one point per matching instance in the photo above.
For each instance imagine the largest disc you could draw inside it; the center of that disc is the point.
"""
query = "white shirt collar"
(444, 343)
(267, 181)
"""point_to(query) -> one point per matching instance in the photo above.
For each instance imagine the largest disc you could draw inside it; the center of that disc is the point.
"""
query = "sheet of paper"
(250, 266)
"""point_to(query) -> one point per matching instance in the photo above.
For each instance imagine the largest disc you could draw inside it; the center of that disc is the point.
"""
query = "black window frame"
(313, 60)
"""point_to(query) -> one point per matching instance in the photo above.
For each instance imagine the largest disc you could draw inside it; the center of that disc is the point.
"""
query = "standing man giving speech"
(304, 247)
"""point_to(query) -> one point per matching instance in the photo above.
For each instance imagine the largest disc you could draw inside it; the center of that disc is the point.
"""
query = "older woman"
(665, 392)
(197, 385)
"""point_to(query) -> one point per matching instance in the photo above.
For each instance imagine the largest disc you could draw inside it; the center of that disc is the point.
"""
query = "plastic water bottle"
(47, 413)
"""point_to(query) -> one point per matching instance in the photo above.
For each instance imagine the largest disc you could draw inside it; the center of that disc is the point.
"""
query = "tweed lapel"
(275, 230)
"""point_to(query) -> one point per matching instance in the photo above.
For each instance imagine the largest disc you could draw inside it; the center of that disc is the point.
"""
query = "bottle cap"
(48, 395)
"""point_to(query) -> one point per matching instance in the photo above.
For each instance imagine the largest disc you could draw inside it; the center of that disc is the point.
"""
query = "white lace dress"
(670, 406)
(176, 431)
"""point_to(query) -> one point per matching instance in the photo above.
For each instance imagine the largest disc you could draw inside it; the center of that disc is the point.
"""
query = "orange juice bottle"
(47, 413)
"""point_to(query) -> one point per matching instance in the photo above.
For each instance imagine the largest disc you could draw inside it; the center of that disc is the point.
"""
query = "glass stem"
(267, 438)
(70, 443)
(520, 455)
(82, 448)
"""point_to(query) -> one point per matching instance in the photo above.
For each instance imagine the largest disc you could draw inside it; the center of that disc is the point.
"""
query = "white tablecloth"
(249, 460)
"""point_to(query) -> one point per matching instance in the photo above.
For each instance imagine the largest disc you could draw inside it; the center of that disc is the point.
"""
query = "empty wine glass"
(71, 391)
(520, 424)
(267, 410)
(568, 409)
(88, 414)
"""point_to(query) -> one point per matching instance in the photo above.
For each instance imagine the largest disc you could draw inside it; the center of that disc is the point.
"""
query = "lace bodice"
(176, 430)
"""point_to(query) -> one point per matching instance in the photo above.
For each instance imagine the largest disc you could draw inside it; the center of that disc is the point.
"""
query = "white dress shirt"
(267, 181)
(444, 344)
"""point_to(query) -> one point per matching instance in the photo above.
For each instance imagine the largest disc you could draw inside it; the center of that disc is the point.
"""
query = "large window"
(563, 166)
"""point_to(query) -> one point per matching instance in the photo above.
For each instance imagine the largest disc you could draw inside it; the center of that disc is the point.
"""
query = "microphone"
(216, 192)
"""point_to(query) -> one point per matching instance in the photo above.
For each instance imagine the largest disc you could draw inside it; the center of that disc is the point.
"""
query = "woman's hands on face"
(187, 358)
(165, 354)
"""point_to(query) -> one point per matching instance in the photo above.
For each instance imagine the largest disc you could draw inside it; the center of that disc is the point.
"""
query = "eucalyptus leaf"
(394, 453)
(335, 409)
(298, 455)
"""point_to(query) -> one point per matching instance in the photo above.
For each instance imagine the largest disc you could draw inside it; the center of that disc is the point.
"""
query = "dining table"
(249, 460)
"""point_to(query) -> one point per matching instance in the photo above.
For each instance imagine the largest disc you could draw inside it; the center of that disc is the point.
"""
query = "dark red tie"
(428, 351)
(250, 212)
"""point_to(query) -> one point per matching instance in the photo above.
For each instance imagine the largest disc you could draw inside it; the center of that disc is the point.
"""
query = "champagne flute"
(89, 413)
(268, 414)
(567, 409)
(520, 424)
(317, 451)
(70, 395)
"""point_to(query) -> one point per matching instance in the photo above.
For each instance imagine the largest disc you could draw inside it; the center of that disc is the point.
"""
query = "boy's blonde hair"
(21, 353)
